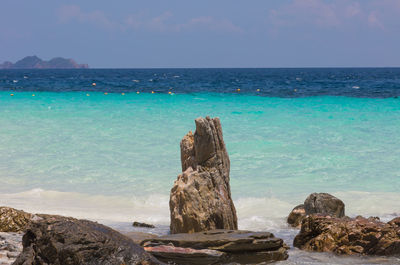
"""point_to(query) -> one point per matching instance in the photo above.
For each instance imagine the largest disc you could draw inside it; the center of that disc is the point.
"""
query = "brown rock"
(259, 257)
(138, 224)
(138, 237)
(316, 203)
(227, 246)
(62, 240)
(296, 216)
(349, 236)
(395, 222)
(185, 256)
(200, 199)
(324, 204)
(12, 220)
(187, 151)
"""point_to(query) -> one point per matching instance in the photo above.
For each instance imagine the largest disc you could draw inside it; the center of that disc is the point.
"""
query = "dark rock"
(138, 237)
(316, 203)
(259, 257)
(349, 235)
(373, 218)
(201, 198)
(224, 240)
(12, 220)
(137, 224)
(296, 216)
(230, 246)
(61, 240)
(395, 222)
(324, 204)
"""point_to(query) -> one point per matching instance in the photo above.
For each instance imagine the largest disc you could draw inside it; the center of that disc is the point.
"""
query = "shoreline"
(296, 256)
(253, 212)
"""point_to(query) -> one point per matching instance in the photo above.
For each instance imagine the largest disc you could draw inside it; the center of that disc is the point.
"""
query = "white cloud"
(373, 21)
(160, 23)
(74, 13)
(211, 23)
(306, 12)
(343, 14)
(354, 9)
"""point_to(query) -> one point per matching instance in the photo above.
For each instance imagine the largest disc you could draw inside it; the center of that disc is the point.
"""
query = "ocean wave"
(105, 209)
(267, 213)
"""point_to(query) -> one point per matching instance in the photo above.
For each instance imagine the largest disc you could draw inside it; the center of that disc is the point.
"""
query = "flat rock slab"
(224, 240)
(218, 247)
(179, 255)
(138, 237)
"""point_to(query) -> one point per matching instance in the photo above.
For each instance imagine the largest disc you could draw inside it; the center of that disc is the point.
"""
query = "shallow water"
(113, 158)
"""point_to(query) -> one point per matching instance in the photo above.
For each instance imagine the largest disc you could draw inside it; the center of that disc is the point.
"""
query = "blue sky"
(207, 33)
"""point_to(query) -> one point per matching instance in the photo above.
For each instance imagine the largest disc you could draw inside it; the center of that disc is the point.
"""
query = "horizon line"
(139, 68)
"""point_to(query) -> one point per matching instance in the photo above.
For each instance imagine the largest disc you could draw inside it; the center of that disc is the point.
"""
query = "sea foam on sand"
(258, 214)
(253, 213)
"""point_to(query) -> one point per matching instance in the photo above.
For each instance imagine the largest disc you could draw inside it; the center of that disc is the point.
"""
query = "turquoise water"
(68, 148)
(128, 145)
(113, 158)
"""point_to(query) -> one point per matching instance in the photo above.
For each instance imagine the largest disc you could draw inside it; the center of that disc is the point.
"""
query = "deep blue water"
(291, 82)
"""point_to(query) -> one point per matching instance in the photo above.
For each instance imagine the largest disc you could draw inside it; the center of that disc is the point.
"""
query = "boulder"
(296, 216)
(12, 220)
(217, 247)
(349, 235)
(316, 203)
(64, 240)
(200, 198)
(395, 222)
(138, 224)
(324, 204)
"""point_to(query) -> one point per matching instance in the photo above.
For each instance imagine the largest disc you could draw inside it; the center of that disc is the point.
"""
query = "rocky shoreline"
(325, 228)
(203, 227)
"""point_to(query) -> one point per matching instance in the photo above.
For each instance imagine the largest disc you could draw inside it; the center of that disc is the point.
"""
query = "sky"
(206, 33)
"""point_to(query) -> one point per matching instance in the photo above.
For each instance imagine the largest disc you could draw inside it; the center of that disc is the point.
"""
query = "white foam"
(268, 213)
(262, 213)
(153, 209)
(271, 213)
(386, 205)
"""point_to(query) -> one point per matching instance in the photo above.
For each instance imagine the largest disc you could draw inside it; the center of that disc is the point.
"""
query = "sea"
(103, 144)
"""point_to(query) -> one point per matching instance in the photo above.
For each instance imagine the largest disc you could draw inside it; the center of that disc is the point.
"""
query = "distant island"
(34, 62)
